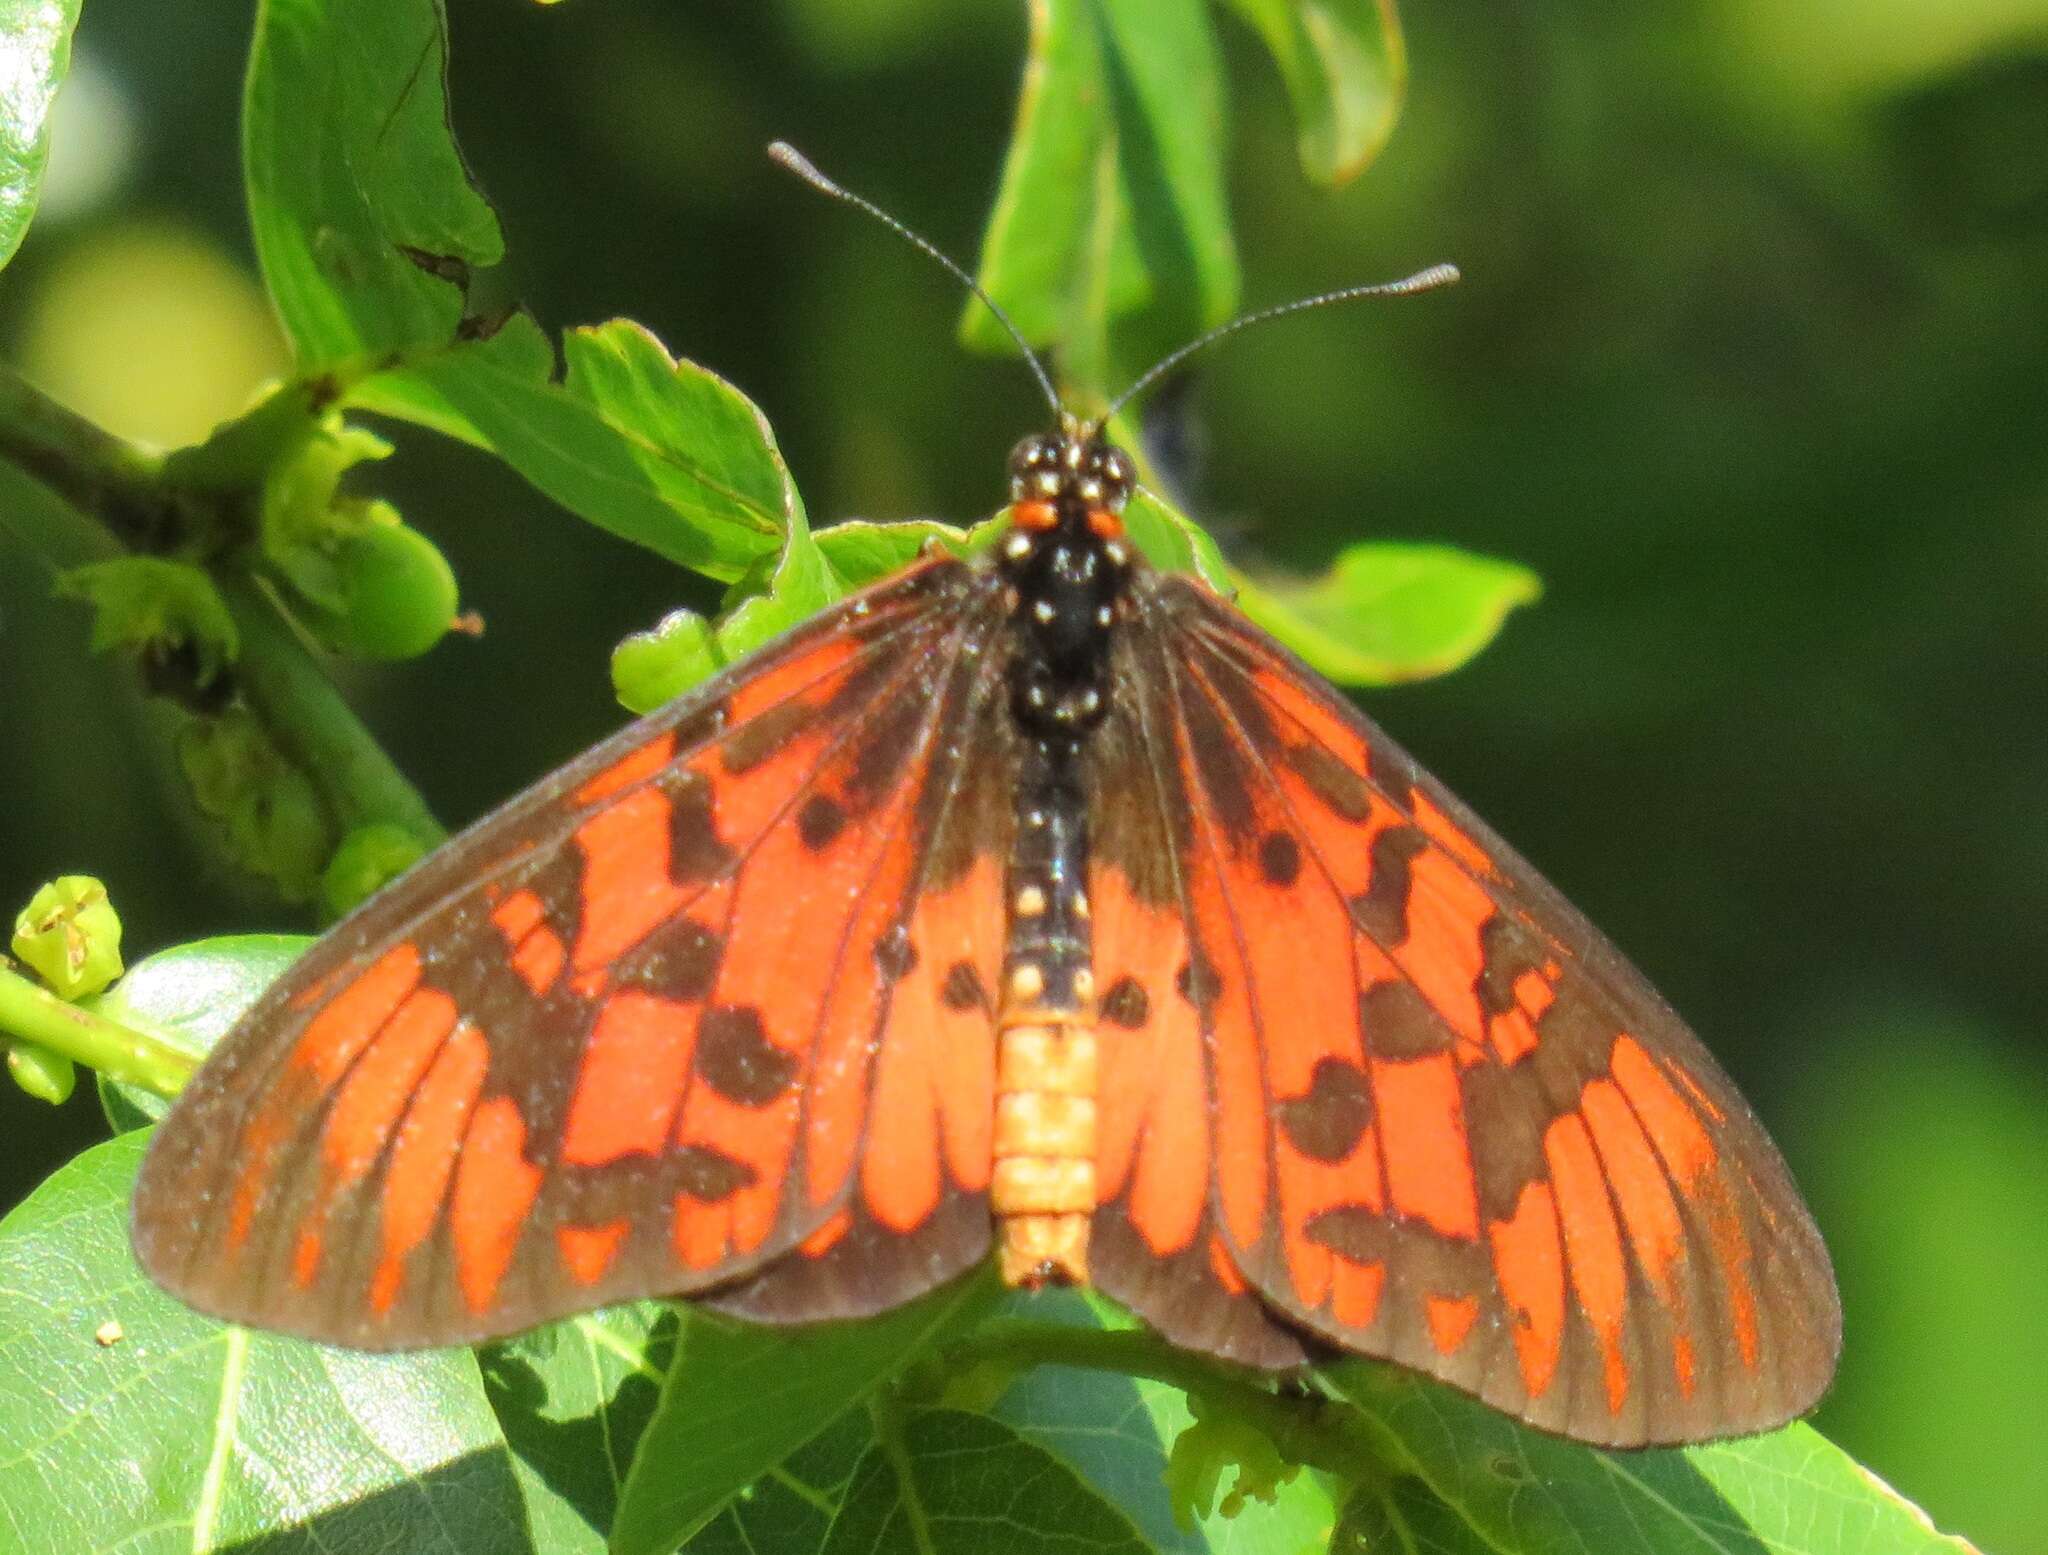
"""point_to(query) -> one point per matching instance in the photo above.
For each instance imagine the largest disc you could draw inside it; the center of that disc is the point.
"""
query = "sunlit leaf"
(1387, 611)
(1345, 69)
(1790, 1492)
(127, 1419)
(957, 1481)
(738, 1399)
(189, 995)
(649, 668)
(366, 223)
(658, 451)
(1112, 197)
(1116, 1432)
(573, 1399)
(35, 54)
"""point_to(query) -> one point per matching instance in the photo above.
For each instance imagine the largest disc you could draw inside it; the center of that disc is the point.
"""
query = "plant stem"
(314, 725)
(1304, 1430)
(32, 1014)
(101, 475)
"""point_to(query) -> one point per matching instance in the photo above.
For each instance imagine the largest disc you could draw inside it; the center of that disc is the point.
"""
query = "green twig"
(113, 481)
(314, 726)
(32, 1014)
(1306, 1430)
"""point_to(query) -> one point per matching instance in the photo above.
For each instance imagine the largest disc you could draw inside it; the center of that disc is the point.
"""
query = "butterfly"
(1039, 907)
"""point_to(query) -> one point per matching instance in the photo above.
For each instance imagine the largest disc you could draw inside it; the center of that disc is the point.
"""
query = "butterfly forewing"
(611, 1042)
(1442, 1120)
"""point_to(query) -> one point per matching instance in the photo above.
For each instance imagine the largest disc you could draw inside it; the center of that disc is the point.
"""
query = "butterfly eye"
(1110, 477)
(1033, 462)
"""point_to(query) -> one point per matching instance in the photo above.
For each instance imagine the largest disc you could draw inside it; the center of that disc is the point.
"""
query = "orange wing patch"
(1152, 1122)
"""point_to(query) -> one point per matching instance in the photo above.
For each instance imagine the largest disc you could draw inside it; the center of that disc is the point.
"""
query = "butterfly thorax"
(1066, 563)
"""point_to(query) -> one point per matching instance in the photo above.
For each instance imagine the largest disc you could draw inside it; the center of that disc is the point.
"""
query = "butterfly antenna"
(782, 151)
(1422, 281)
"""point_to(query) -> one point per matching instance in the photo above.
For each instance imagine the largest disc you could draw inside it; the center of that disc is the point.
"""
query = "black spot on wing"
(1126, 1004)
(736, 1059)
(1381, 909)
(1326, 1122)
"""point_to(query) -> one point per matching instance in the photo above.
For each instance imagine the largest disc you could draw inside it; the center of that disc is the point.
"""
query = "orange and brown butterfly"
(1042, 906)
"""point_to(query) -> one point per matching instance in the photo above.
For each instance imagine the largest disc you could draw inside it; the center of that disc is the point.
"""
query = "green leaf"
(129, 1422)
(1173, 541)
(1117, 1432)
(741, 1398)
(947, 1480)
(1112, 198)
(573, 1399)
(658, 451)
(1787, 1493)
(367, 859)
(860, 551)
(360, 204)
(1388, 611)
(683, 648)
(789, 1510)
(1401, 1517)
(650, 668)
(189, 996)
(35, 53)
(1346, 71)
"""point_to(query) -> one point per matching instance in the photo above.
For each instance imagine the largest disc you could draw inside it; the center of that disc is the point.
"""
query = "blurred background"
(1751, 365)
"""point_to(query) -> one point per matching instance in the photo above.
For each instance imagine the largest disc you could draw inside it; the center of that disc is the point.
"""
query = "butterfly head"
(1073, 477)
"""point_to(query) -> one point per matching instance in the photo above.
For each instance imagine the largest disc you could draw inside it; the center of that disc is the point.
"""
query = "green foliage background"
(1751, 366)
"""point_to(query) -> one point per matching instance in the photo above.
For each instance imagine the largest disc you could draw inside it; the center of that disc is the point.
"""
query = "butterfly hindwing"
(1154, 1245)
(1441, 1119)
(614, 1040)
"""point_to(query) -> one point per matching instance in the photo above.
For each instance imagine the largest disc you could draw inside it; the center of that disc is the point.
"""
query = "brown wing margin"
(1572, 1212)
(390, 1149)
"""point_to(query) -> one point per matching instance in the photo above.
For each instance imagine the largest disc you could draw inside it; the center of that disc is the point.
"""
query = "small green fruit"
(398, 595)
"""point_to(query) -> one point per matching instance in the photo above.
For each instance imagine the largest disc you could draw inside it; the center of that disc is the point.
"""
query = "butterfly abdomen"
(1043, 1189)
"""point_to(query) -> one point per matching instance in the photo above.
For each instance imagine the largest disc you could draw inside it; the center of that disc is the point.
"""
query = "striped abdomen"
(1043, 1191)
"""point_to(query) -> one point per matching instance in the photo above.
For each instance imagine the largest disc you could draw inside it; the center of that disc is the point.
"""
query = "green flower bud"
(365, 583)
(299, 508)
(156, 608)
(279, 829)
(71, 935)
(44, 1075)
(274, 821)
(652, 667)
(369, 857)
